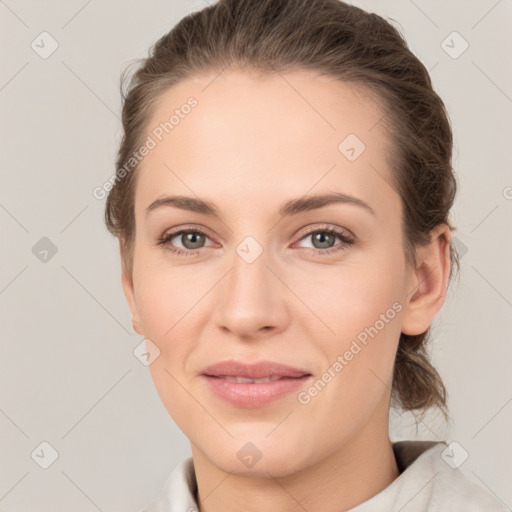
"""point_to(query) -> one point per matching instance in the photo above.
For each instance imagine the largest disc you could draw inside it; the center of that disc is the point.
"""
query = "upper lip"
(258, 370)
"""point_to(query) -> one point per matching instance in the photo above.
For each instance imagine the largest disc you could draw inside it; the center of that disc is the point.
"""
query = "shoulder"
(428, 483)
(451, 486)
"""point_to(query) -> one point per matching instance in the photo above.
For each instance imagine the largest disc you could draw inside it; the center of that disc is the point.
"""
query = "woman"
(282, 202)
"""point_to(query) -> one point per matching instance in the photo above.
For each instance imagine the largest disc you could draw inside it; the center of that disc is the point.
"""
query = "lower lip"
(251, 395)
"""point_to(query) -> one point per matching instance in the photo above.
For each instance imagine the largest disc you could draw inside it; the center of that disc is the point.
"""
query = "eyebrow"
(290, 207)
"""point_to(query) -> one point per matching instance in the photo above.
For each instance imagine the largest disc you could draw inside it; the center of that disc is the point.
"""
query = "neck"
(349, 476)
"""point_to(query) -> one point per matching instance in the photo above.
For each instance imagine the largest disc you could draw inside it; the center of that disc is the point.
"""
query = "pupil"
(193, 239)
(321, 238)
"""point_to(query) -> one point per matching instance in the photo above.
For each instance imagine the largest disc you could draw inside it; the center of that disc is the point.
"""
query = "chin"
(257, 459)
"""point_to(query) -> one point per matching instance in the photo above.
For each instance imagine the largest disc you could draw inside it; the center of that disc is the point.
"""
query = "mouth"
(253, 371)
(253, 385)
(246, 380)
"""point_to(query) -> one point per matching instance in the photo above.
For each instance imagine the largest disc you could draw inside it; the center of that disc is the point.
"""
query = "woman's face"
(263, 281)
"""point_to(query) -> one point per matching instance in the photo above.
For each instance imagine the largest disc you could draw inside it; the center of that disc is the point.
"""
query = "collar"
(426, 483)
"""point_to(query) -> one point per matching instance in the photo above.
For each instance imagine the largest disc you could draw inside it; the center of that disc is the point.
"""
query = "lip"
(258, 370)
(285, 380)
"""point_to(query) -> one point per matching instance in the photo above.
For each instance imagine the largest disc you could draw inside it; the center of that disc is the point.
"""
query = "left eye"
(325, 238)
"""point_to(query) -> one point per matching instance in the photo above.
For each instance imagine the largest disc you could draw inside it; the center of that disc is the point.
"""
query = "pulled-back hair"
(330, 38)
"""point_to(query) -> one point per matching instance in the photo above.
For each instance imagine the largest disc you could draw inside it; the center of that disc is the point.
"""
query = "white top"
(427, 483)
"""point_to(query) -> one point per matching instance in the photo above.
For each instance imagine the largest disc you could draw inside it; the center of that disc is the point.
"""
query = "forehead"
(247, 133)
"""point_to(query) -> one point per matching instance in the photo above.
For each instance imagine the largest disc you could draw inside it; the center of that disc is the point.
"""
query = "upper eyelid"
(185, 229)
(324, 227)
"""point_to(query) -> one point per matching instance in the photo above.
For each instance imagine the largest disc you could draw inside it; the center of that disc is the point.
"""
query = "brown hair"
(331, 38)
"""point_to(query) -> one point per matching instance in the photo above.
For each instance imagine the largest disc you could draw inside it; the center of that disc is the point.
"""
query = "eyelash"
(345, 239)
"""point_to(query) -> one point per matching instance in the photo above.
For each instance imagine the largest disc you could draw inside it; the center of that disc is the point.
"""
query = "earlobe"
(129, 292)
(427, 287)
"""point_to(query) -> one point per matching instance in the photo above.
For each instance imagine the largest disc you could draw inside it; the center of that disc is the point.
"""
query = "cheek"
(172, 308)
(167, 310)
(362, 307)
(164, 296)
(155, 304)
(358, 373)
(345, 300)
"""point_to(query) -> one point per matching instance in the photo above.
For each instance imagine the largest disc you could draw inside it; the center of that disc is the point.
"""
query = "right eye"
(191, 240)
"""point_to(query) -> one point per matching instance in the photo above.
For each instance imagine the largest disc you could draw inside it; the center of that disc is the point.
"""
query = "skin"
(252, 143)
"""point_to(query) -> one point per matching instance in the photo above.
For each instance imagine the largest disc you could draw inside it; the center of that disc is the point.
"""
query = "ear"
(428, 283)
(128, 288)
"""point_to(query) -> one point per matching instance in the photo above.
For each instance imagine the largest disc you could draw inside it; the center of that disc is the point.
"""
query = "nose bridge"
(248, 281)
(250, 296)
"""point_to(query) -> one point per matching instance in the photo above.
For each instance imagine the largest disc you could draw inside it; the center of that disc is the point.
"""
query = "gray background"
(68, 375)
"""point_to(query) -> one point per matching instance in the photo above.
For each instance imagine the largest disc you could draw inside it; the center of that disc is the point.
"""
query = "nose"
(251, 300)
